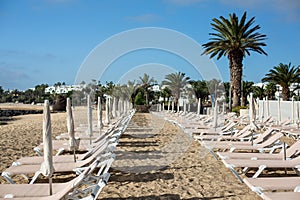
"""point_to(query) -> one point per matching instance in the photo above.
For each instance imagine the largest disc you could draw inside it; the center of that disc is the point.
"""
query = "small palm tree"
(129, 90)
(283, 75)
(176, 82)
(146, 82)
(247, 89)
(200, 89)
(259, 92)
(270, 90)
(235, 39)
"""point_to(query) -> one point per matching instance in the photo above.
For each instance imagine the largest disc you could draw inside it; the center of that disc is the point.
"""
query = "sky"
(49, 41)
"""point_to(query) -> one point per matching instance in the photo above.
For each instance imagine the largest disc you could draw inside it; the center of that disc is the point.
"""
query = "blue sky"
(46, 41)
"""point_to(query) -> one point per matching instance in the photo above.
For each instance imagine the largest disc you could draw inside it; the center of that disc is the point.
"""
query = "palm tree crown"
(176, 83)
(235, 39)
(145, 82)
(283, 75)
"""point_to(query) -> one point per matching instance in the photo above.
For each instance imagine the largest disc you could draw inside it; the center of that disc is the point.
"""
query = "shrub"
(238, 108)
(139, 99)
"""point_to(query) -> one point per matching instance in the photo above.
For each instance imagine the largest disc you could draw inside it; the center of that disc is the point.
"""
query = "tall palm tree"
(146, 82)
(176, 82)
(283, 75)
(235, 39)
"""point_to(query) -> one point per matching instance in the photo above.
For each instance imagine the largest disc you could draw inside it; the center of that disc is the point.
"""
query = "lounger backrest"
(98, 151)
(244, 130)
(230, 126)
(263, 136)
(93, 150)
(272, 139)
(294, 150)
(75, 182)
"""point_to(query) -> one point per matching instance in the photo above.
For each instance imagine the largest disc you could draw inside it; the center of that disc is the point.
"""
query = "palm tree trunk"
(236, 72)
(285, 93)
(146, 94)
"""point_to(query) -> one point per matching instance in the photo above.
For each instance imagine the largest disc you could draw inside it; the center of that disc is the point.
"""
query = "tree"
(270, 90)
(235, 39)
(145, 82)
(176, 82)
(258, 92)
(201, 90)
(108, 88)
(166, 93)
(139, 100)
(227, 90)
(1, 90)
(39, 93)
(247, 89)
(283, 75)
(129, 90)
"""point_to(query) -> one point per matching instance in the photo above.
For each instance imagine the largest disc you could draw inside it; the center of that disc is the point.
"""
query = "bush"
(139, 99)
(142, 108)
(60, 103)
(238, 108)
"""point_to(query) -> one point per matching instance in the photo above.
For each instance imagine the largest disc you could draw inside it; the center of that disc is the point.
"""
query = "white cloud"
(183, 2)
(287, 9)
(145, 18)
(58, 1)
(11, 77)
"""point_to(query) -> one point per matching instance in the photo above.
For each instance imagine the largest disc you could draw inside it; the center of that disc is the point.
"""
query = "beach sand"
(22, 133)
(155, 160)
(192, 173)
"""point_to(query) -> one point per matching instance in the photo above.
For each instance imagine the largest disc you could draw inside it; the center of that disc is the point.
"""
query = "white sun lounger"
(69, 190)
(260, 165)
(261, 185)
(292, 151)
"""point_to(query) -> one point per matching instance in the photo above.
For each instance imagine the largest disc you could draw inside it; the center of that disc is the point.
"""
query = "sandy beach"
(155, 160)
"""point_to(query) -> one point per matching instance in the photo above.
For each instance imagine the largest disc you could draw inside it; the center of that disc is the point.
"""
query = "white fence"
(280, 110)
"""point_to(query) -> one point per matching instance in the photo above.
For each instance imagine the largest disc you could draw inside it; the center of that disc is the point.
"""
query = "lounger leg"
(7, 177)
(36, 175)
(60, 151)
(212, 152)
(297, 169)
(257, 190)
(245, 170)
(260, 169)
(38, 151)
(235, 173)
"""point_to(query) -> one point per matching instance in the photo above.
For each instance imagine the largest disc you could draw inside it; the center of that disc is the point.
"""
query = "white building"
(63, 89)
(155, 88)
(278, 93)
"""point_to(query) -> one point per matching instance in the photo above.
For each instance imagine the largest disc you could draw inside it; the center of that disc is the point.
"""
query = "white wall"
(285, 109)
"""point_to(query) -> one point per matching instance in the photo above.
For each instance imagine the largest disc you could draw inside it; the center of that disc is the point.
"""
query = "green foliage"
(176, 82)
(166, 93)
(234, 38)
(200, 89)
(238, 108)
(145, 83)
(233, 34)
(247, 89)
(258, 92)
(283, 75)
(227, 89)
(139, 99)
(37, 95)
(270, 90)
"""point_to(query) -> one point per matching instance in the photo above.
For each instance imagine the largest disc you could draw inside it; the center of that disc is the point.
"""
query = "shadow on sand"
(117, 176)
(168, 197)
